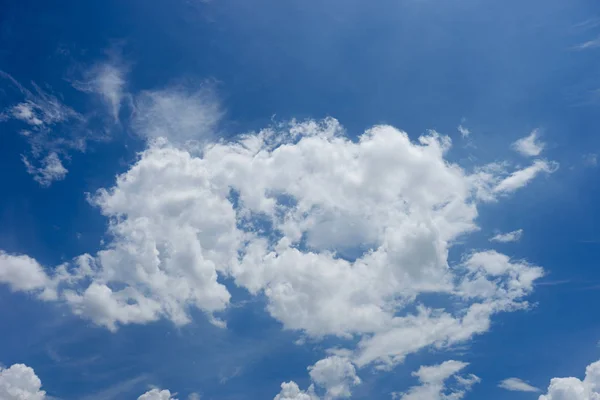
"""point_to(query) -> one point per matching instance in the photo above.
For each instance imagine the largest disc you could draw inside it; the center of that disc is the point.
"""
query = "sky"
(295, 200)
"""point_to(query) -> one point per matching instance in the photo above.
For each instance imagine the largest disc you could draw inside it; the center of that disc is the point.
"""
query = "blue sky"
(296, 200)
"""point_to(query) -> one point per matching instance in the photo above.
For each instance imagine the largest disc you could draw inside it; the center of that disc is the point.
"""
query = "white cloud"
(291, 391)
(19, 382)
(590, 44)
(341, 237)
(22, 273)
(493, 181)
(179, 114)
(433, 383)
(26, 113)
(39, 108)
(513, 236)
(492, 279)
(517, 385)
(51, 170)
(464, 131)
(157, 394)
(574, 388)
(45, 114)
(336, 375)
(530, 145)
(107, 80)
(522, 177)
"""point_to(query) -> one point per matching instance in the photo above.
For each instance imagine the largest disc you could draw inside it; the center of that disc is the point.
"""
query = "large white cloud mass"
(575, 388)
(342, 237)
(19, 382)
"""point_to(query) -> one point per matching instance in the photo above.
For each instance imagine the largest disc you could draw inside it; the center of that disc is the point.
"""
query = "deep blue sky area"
(499, 68)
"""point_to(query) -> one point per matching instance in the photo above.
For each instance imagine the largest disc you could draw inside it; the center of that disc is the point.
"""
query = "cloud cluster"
(341, 236)
(54, 129)
(44, 114)
(433, 383)
(19, 382)
(574, 388)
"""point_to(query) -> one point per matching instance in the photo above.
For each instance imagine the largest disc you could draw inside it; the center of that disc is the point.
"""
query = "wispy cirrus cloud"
(108, 80)
(590, 44)
(53, 129)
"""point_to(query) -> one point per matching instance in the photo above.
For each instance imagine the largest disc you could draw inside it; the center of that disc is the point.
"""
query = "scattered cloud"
(51, 170)
(590, 44)
(522, 177)
(19, 382)
(433, 383)
(22, 273)
(45, 116)
(106, 79)
(39, 109)
(291, 391)
(575, 389)
(356, 231)
(464, 132)
(336, 375)
(513, 236)
(517, 385)
(179, 114)
(529, 146)
(157, 394)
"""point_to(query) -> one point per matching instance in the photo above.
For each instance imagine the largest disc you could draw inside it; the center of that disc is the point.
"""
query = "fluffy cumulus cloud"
(517, 385)
(341, 236)
(530, 146)
(336, 375)
(291, 391)
(19, 382)
(22, 273)
(157, 394)
(513, 236)
(574, 388)
(433, 383)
